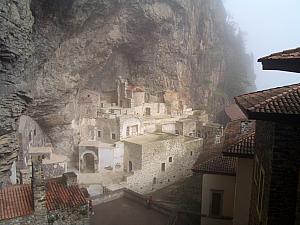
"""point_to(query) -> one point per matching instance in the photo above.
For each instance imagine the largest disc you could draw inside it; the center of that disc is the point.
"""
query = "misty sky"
(270, 26)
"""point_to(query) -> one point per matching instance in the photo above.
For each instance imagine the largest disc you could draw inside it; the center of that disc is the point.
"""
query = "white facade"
(220, 184)
(243, 191)
(236, 195)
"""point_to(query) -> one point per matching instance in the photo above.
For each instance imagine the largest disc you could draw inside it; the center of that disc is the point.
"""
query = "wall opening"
(163, 167)
(88, 163)
(154, 180)
(130, 166)
(216, 203)
(148, 111)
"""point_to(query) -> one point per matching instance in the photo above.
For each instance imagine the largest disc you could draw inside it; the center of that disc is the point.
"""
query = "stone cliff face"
(51, 48)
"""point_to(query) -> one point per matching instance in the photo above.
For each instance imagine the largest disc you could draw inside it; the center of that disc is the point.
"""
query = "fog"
(270, 26)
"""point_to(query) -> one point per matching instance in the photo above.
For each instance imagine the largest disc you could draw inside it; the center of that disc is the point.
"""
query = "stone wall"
(278, 154)
(186, 127)
(177, 158)
(130, 121)
(26, 220)
(264, 153)
(75, 216)
(54, 170)
(89, 130)
(29, 134)
(138, 98)
(133, 154)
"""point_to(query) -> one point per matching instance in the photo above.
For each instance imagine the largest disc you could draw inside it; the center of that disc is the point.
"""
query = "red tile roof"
(243, 148)
(234, 112)
(59, 196)
(282, 101)
(15, 201)
(288, 60)
(218, 164)
(287, 54)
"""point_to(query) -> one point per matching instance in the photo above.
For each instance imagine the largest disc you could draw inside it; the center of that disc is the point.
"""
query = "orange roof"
(288, 60)
(234, 112)
(59, 196)
(276, 102)
(218, 164)
(134, 88)
(15, 201)
(287, 54)
(243, 148)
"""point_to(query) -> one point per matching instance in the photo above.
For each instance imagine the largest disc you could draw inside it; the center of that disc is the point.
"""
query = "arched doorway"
(88, 163)
(130, 166)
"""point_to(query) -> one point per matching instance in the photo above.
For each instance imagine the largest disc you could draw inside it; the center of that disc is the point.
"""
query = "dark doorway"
(148, 111)
(88, 163)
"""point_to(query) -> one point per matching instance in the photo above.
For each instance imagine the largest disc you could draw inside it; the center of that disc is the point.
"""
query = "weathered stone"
(50, 49)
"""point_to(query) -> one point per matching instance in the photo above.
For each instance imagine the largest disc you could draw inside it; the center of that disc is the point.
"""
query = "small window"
(128, 131)
(154, 180)
(176, 131)
(170, 159)
(163, 167)
(216, 203)
(29, 136)
(34, 132)
(99, 133)
(102, 105)
(191, 153)
(113, 136)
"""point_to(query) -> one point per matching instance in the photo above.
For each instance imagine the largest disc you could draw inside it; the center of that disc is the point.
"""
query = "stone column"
(39, 191)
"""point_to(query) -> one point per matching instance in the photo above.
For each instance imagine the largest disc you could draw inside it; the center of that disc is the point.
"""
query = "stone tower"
(38, 191)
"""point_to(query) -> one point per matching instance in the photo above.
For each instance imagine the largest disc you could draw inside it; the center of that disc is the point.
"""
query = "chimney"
(70, 179)
(38, 190)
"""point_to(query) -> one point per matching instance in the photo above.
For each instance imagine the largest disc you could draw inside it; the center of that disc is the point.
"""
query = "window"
(102, 105)
(29, 136)
(113, 136)
(128, 131)
(154, 180)
(260, 197)
(130, 166)
(34, 132)
(246, 126)
(163, 167)
(92, 135)
(216, 203)
(99, 133)
(170, 159)
(176, 131)
(148, 111)
(191, 153)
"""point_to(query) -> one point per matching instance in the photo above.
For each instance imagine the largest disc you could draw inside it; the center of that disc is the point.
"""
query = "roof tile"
(281, 100)
(16, 200)
(244, 147)
(217, 165)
